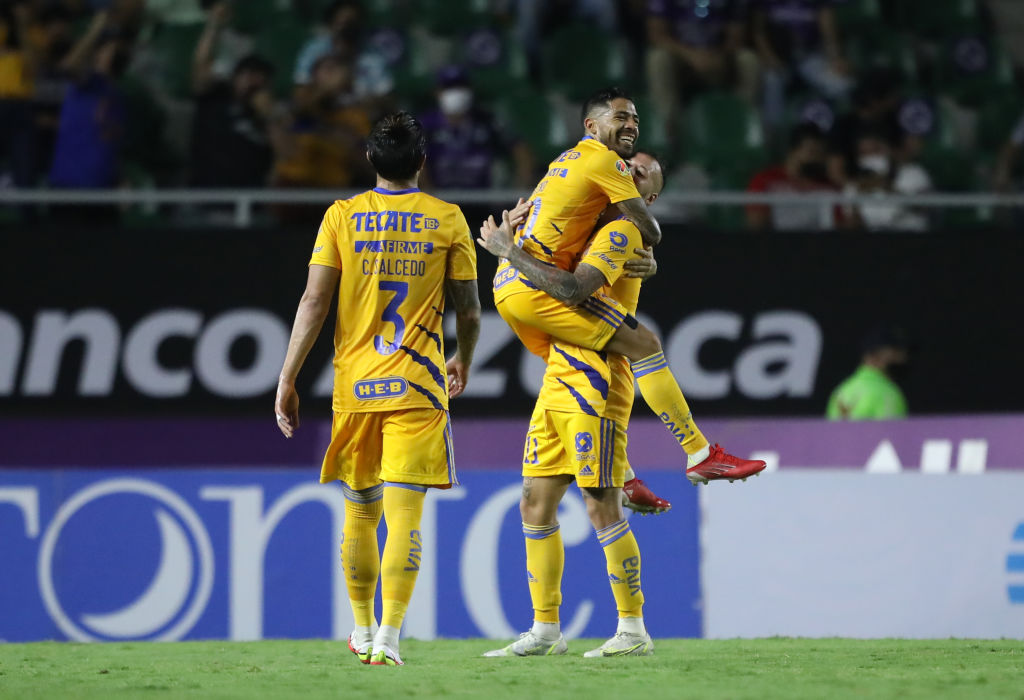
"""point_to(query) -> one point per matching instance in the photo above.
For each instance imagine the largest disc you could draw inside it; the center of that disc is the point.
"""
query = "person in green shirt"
(870, 393)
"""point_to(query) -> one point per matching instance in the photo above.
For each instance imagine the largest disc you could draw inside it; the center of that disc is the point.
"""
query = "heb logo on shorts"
(382, 388)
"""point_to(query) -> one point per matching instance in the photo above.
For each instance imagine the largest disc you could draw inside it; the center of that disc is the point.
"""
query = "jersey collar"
(381, 190)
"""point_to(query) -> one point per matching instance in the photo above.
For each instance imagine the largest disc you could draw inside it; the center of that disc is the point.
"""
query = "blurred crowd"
(794, 96)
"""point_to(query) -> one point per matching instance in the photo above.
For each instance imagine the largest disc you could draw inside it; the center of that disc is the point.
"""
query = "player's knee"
(604, 506)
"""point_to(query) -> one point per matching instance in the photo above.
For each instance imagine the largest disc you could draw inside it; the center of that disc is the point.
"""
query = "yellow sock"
(623, 557)
(403, 508)
(545, 560)
(662, 393)
(360, 557)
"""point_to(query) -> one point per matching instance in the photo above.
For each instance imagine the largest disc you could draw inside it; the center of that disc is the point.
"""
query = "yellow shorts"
(588, 448)
(413, 446)
(536, 317)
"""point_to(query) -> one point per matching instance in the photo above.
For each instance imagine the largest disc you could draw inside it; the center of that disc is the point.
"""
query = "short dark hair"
(804, 131)
(602, 97)
(397, 146)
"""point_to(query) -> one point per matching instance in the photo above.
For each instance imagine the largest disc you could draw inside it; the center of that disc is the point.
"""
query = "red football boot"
(641, 499)
(719, 464)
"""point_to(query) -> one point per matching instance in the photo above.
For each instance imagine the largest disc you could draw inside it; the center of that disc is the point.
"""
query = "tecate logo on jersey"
(192, 554)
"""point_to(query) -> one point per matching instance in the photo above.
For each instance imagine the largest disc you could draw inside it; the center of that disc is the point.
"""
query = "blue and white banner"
(167, 554)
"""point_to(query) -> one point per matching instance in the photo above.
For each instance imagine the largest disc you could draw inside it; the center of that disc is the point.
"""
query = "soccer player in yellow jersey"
(391, 253)
(540, 302)
(578, 432)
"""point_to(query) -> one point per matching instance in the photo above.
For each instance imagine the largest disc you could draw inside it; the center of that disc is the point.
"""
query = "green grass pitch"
(691, 668)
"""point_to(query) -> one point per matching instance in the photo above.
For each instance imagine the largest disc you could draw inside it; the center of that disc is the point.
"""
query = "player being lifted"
(565, 205)
(578, 432)
(391, 253)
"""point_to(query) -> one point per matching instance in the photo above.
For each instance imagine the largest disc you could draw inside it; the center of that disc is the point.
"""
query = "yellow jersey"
(567, 203)
(575, 377)
(394, 249)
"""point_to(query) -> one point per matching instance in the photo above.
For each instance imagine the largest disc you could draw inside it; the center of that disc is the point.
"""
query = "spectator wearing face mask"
(464, 143)
(879, 170)
(803, 170)
(871, 393)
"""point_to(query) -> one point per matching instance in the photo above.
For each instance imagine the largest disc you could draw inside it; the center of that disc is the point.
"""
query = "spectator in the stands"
(694, 45)
(871, 393)
(87, 152)
(533, 18)
(325, 142)
(464, 143)
(55, 37)
(343, 34)
(876, 99)
(798, 38)
(17, 117)
(232, 132)
(803, 170)
(881, 170)
(1009, 156)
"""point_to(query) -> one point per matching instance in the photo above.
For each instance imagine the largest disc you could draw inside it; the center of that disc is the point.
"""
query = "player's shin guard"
(662, 393)
(403, 508)
(360, 557)
(545, 560)
(623, 556)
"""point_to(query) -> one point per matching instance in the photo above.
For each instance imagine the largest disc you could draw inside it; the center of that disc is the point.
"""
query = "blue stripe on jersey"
(584, 404)
(547, 251)
(425, 392)
(611, 450)
(433, 336)
(611, 310)
(556, 228)
(595, 378)
(600, 314)
(606, 442)
(381, 190)
(437, 311)
(435, 372)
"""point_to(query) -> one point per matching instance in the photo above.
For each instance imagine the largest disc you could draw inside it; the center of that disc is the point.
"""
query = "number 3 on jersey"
(391, 315)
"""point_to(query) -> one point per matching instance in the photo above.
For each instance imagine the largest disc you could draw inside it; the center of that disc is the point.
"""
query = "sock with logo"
(623, 558)
(662, 393)
(403, 508)
(545, 560)
(360, 556)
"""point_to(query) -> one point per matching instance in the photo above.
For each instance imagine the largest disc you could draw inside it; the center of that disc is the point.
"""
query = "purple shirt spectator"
(92, 124)
(698, 22)
(461, 154)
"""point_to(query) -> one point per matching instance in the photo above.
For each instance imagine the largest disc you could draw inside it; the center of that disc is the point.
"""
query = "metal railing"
(670, 207)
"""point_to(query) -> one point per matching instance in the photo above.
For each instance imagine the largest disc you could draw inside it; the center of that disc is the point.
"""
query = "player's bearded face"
(618, 127)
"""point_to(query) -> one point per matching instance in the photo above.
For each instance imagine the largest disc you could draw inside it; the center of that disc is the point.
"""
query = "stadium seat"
(855, 15)
(452, 17)
(579, 59)
(533, 118)
(880, 48)
(722, 129)
(251, 16)
(973, 68)
(996, 119)
(652, 129)
(938, 18)
(280, 44)
(494, 59)
(175, 44)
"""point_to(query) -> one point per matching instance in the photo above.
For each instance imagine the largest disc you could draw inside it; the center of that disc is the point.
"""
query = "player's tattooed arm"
(465, 298)
(567, 287)
(636, 210)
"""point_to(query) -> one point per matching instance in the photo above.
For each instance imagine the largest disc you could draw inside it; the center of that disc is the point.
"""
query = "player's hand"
(458, 376)
(519, 213)
(645, 266)
(496, 239)
(286, 408)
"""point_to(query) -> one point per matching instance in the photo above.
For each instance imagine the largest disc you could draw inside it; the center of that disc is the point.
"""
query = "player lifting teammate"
(577, 412)
(579, 185)
(391, 253)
